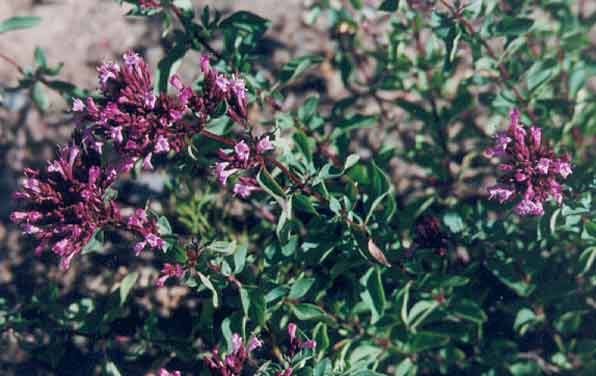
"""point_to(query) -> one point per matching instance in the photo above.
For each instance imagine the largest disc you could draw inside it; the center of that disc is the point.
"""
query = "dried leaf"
(377, 254)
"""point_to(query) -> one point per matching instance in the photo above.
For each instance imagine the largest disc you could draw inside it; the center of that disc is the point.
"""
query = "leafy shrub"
(367, 242)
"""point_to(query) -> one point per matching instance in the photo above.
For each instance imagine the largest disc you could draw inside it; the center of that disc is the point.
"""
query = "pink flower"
(116, 134)
(264, 145)
(108, 71)
(245, 186)
(292, 331)
(78, 105)
(297, 344)
(502, 140)
(165, 372)
(527, 207)
(18, 217)
(233, 363)
(138, 248)
(204, 64)
(222, 172)
(176, 82)
(131, 58)
(310, 344)
(138, 219)
(238, 89)
(287, 372)
(562, 168)
(155, 241)
(147, 165)
(237, 343)
(242, 151)
(222, 83)
(30, 229)
(254, 343)
(161, 145)
(151, 4)
(32, 185)
(169, 271)
(542, 165)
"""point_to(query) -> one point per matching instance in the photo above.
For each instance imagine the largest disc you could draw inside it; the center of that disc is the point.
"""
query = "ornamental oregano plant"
(414, 199)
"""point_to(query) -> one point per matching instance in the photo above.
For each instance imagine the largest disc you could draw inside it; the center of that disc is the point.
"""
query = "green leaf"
(415, 110)
(95, 242)
(307, 311)
(324, 367)
(406, 368)
(469, 310)
(269, 184)
(224, 247)
(453, 221)
(358, 121)
(126, 285)
(240, 258)
(246, 21)
(40, 57)
(308, 109)
(68, 89)
(15, 23)
(389, 5)
(321, 336)
(504, 270)
(305, 144)
(587, 258)
(374, 293)
(539, 73)
(513, 26)
(419, 312)
(304, 203)
(110, 369)
(168, 66)
(183, 4)
(254, 304)
(525, 369)
(207, 283)
(381, 191)
(297, 66)
(300, 288)
(523, 319)
(423, 341)
(163, 226)
(39, 97)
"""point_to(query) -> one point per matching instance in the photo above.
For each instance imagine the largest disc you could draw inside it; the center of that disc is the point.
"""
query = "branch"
(505, 78)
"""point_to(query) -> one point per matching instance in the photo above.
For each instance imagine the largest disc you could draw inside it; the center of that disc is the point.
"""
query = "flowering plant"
(355, 231)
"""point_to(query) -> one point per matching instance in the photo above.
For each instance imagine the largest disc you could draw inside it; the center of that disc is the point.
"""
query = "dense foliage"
(435, 218)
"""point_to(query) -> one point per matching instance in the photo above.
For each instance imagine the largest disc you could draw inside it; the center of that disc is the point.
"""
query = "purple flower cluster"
(138, 123)
(65, 203)
(297, 344)
(69, 201)
(233, 363)
(428, 233)
(169, 271)
(241, 158)
(217, 88)
(149, 4)
(530, 168)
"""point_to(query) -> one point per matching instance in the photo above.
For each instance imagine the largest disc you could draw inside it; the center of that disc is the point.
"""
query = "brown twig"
(12, 62)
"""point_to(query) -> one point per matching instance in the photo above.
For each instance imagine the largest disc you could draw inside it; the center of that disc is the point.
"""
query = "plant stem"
(505, 78)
